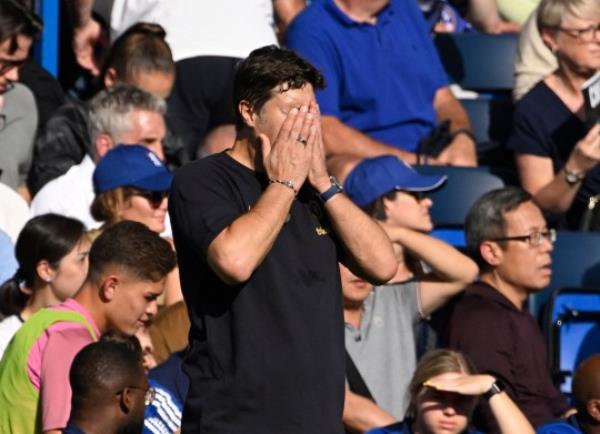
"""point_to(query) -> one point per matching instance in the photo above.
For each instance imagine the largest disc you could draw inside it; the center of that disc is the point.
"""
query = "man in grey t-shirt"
(380, 322)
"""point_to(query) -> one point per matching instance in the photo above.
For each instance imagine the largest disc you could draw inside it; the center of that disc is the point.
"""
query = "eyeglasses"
(418, 195)
(588, 34)
(534, 239)
(149, 393)
(154, 197)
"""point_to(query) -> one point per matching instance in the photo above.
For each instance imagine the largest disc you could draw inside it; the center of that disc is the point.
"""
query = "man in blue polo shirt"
(386, 88)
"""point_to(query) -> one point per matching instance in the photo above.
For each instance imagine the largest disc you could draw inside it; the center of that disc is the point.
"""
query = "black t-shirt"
(266, 356)
(543, 125)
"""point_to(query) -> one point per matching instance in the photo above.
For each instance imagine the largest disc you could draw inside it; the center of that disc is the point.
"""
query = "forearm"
(557, 196)
(446, 262)
(341, 139)
(286, 11)
(362, 414)
(240, 248)
(369, 248)
(508, 416)
(484, 15)
(81, 12)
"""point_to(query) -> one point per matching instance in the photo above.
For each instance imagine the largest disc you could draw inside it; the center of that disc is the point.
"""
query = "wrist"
(322, 184)
(572, 176)
(284, 183)
(465, 133)
(496, 387)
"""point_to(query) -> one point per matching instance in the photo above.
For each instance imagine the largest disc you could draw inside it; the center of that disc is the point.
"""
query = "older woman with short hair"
(557, 152)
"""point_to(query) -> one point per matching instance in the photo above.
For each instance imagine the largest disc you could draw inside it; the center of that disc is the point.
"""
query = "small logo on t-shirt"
(320, 230)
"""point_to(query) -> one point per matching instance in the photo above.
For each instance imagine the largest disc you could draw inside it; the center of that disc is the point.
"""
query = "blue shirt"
(563, 426)
(404, 427)
(381, 78)
(72, 429)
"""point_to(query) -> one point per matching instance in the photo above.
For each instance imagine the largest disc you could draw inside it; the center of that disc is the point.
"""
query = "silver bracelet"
(285, 182)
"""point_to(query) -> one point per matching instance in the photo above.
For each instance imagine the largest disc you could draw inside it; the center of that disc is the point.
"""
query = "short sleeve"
(526, 137)
(62, 347)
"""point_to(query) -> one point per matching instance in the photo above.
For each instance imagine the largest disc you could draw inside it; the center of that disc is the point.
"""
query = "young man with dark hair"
(128, 265)
(258, 231)
(507, 233)
(18, 114)
(109, 388)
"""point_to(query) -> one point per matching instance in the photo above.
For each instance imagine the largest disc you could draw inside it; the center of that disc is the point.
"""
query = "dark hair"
(376, 208)
(135, 247)
(141, 49)
(268, 67)
(103, 368)
(48, 237)
(485, 220)
(16, 19)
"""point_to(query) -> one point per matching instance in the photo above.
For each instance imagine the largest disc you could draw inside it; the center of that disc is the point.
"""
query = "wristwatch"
(497, 387)
(572, 178)
(331, 191)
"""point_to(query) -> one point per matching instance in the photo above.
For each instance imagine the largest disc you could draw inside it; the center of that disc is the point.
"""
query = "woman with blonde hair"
(443, 393)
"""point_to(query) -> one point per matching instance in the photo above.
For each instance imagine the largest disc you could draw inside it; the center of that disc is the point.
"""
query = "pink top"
(49, 363)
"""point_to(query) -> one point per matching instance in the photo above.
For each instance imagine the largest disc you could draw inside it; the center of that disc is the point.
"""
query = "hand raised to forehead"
(288, 158)
(318, 175)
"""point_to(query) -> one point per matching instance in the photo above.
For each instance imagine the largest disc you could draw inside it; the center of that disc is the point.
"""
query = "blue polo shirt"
(381, 78)
(404, 427)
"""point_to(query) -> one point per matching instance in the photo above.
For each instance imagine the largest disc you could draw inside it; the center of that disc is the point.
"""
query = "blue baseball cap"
(131, 166)
(374, 177)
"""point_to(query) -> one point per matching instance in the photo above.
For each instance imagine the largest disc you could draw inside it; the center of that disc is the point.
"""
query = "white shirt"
(229, 28)
(8, 327)
(71, 194)
(14, 212)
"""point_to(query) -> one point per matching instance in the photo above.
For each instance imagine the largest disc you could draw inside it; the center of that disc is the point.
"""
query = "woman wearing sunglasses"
(132, 183)
(443, 394)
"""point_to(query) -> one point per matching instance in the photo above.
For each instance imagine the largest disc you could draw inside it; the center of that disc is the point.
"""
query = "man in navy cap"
(380, 322)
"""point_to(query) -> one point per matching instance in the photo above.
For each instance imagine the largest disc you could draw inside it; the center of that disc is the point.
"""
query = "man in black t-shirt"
(258, 230)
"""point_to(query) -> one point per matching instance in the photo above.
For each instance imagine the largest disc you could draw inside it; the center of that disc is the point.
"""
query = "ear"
(491, 253)
(126, 400)
(104, 143)
(549, 38)
(45, 271)
(110, 78)
(247, 113)
(593, 408)
(108, 287)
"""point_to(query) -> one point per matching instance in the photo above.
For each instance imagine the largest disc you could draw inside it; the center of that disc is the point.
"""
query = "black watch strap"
(497, 387)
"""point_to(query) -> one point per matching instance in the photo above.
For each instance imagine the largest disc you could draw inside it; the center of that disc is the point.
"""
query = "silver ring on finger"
(302, 140)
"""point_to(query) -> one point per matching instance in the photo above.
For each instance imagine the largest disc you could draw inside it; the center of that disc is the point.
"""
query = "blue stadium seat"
(572, 331)
(575, 263)
(452, 202)
(478, 61)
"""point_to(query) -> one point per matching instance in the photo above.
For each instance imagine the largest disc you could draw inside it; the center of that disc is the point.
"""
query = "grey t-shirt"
(384, 348)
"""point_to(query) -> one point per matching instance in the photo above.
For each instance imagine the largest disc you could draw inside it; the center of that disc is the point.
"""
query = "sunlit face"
(10, 62)
(522, 265)
(71, 271)
(133, 304)
(443, 412)
(269, 119)
(409, 210)
(140, 209)
(577, 55)
(158, 83)
(143, 336)
(147, 129)
(355, 290)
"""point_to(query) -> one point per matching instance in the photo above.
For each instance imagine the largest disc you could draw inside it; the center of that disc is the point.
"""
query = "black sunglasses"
(154, 197)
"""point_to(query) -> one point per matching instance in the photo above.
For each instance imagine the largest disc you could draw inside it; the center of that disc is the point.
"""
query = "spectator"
(381, 322)
(352, 41)
(131, 183)
(100, 372)
(128, 265)
(141, 58)
(556, 150)
(534, 60)
(123, 114)
(443, 393)
(586, 396)
(208, 39)
(258, 262)
(18, 114)
(52, 254)
(508, 235)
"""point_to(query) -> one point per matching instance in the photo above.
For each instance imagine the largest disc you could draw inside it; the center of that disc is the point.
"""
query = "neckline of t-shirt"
(563, 106)
(233, 162)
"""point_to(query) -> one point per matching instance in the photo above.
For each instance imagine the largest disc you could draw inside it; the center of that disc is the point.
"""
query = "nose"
(164, 205)
(12, 74)
(427, 202)
(152, 309)
(157, 148)
(449, 409)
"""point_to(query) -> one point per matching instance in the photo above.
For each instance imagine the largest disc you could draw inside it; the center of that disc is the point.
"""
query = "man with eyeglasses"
(110, 388)
(508, 236)
(18, 113)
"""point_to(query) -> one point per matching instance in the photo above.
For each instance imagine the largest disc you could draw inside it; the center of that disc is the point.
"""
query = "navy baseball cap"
(374, 177)
(131, 166)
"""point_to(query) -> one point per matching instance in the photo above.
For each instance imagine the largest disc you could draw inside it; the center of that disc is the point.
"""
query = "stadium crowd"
(218, 219)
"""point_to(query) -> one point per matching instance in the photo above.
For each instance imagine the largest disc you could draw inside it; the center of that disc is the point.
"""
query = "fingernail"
(303, 109)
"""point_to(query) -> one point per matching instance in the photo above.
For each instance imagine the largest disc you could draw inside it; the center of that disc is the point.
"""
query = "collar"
(337, 13)
(483, 290)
